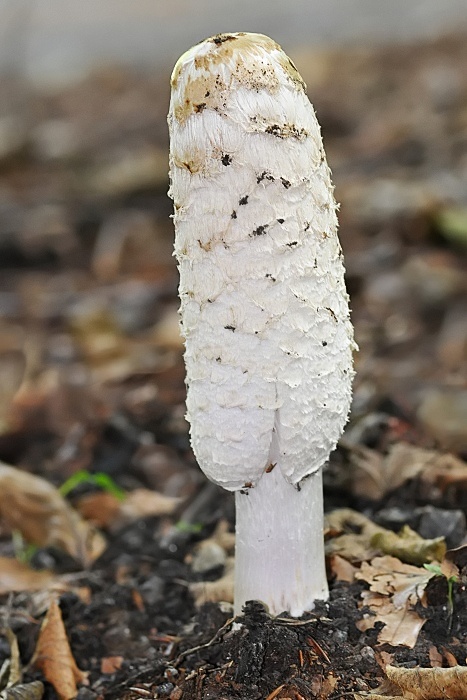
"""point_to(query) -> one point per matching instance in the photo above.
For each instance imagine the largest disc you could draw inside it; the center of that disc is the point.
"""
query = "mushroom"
(264, 309)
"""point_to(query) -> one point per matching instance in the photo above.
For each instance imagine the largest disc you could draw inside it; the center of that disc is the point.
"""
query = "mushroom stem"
(279, 557)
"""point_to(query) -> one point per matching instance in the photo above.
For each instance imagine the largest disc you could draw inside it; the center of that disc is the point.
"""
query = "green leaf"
(103, 481)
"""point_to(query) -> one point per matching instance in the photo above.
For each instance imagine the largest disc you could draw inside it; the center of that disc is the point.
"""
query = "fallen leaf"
(357, 538)
(16, 576)
(11, 675)
(142, 503)
(430, 683)
(104, 509)
(394, 589)
(383, 658)
(351, 535)
(449, 657)
(13, 668)
(375, 475)
(436, 659)
(408, 546)
(457, 556)
(342, 569)
(37, 510)
(99, 508)
(328, 686)
(110, 664)
(54, 658)
(215, 591)
(401, 625)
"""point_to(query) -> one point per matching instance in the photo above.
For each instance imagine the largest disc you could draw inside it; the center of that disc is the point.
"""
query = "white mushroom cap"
(264, 309)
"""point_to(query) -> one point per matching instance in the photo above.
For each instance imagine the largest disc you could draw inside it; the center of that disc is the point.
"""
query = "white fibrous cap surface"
(264, 309)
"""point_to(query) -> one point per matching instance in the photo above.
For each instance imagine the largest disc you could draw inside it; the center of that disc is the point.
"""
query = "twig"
(212, 641)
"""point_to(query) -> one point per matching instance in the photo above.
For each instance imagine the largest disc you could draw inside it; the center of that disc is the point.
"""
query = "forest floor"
(116, 555)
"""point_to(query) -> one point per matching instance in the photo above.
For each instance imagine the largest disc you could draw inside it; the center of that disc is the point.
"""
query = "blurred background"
(88, 287)
(61, 39)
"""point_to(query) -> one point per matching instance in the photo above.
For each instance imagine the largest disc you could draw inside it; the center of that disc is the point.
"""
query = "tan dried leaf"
(436, 659)
(430, 683)
(215, 591)
(53, 655)
(99, 508)
(328, 686)
(354, 532)
(383, 658)
(342, 569)
(401, 627)
(142, 503)
(106, 510)
(394, 588)
(376, 475)
(37, 510)
(16, 576)
(110, 664)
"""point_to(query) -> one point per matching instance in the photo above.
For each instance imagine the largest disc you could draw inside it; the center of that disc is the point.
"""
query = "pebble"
(152, 590)
(437, 522)
(209, 555)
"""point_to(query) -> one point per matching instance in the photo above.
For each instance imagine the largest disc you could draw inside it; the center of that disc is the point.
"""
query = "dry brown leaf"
(215, 591)
(389, 576)
(368, 476)
(105, 510)
(354, 532)
(15, 672)
(401, 625)
(436, 659)
(11, 674)
(142, 503)
(394, 588)
(376, 475)
(223, 537)
(375, 696)
(408, 546)
(342, 569)
(357, 538)
(37, 510)
(110, 664)
(16, 576)
(430, 683)
(383, 658)
(54, 658)
(449, 657)
(99, 508)
(328, 686)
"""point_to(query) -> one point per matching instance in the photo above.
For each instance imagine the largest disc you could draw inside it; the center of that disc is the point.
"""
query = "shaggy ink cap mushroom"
(264, 309)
